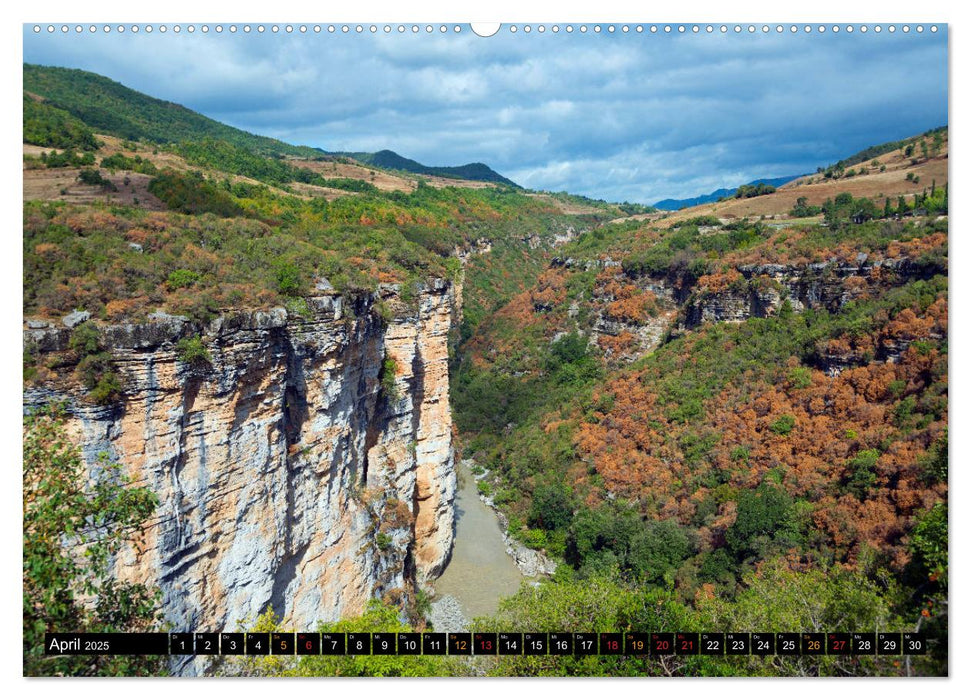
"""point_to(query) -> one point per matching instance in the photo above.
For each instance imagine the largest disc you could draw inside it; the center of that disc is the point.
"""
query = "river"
(479, 572)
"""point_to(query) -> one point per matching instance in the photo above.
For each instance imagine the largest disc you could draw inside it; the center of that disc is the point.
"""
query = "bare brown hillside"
(891, 182)
(61, 183)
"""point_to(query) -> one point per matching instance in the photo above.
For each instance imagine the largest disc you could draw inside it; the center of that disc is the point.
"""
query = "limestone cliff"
(680, 302)
(307, 468)
(761, 290)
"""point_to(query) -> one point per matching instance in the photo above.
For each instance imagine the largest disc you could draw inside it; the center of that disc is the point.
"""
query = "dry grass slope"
(892, 182)
(61, 184)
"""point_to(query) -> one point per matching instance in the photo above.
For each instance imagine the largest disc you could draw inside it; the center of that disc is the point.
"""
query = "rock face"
(763, 289)
(307, 469)
(683, 302)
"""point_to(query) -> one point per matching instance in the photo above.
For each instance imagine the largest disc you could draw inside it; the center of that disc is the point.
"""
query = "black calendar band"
(489, 643)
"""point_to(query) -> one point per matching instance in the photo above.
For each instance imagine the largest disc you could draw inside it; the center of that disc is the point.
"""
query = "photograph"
(578, 349)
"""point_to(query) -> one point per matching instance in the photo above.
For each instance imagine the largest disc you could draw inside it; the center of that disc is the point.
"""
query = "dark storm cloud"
(635, 117)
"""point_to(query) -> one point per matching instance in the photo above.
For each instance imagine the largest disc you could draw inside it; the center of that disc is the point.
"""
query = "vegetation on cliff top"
(116, 261)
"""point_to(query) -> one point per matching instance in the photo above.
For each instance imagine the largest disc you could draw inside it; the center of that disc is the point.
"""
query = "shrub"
(389, 369)
(193, 352)
(551, 508)
(191, 193)
(85, 340)
(533, 538)
(739, 453)
(800, 377)
(783, 425)
(183, 278)
(95, 368)
(119, 161)
(107, 389)
(288, 281)
(89, 176)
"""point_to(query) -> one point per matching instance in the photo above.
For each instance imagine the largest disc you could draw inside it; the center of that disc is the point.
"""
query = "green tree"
(862, 473)
(603, 539)
(764, 523)
(288, 279)
(192, 351)
(777, 598)
(598, 603)
(928, 544)
(929, 541)
(73, 525)
(803, 208)
(551, 507)
(657, 549)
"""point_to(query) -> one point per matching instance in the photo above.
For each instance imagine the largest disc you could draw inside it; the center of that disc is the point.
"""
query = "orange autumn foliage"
(637, 450)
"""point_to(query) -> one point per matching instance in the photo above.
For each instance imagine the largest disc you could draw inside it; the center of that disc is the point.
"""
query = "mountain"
(393, 161)
(111, 108)
(675, 204)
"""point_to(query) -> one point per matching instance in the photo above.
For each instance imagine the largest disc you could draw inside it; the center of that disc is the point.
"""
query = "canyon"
(292, 473)
(308, 467)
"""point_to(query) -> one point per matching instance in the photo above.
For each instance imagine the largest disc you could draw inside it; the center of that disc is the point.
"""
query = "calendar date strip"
(489, 643)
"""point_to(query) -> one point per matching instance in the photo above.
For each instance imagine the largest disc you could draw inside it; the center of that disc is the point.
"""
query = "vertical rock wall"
(292, 473)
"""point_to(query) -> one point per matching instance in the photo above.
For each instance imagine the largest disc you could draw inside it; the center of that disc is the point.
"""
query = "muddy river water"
(480, 572)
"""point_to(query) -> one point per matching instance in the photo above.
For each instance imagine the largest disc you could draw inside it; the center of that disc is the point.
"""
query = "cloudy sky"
(635, 117)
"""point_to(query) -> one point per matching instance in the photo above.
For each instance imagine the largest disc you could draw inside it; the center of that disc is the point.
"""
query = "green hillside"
(111, 108)
(878, 150)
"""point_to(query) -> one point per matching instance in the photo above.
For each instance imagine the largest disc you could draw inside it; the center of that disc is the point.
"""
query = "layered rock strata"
(307, 468)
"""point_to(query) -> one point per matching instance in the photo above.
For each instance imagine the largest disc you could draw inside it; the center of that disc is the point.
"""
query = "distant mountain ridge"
(675, 204)
(393, 161)
(111, 108)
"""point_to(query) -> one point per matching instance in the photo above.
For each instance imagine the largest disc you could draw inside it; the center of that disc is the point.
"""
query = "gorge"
(355, 399)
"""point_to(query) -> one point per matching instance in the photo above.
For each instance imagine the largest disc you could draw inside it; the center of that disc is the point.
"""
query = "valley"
(732, 416)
